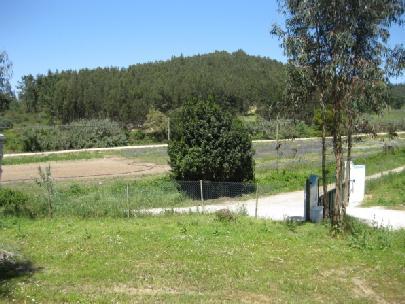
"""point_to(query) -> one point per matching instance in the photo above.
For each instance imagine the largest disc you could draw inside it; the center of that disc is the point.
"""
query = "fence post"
(168, 129)
(2, 139)
(202, 195)
(257, 200)
(129, 211)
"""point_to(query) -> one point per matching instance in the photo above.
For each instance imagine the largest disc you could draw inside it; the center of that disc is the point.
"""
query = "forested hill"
(237, 80)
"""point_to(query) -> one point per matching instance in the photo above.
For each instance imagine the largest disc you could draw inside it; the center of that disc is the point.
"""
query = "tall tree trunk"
(277, 143)
(325, 199)
(338, 211)
(348, 160)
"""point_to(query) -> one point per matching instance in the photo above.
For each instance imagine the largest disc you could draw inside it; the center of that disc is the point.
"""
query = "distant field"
(393, 117)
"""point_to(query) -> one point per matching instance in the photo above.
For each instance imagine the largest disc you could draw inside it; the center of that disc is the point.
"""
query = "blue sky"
(48, 35)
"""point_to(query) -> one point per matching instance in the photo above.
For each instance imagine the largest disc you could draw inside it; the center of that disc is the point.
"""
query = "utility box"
(357, 184)
(2, 139)
(311, 195)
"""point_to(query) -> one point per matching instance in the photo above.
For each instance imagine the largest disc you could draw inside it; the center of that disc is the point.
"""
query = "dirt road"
(82, 169)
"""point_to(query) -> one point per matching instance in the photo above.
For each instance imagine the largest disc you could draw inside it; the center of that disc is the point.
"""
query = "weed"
(46, 182)
(225, 216)
(293, 222)
(361, 236)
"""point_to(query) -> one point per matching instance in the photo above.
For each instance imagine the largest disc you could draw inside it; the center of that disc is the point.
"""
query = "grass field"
(388, 191)
(194, 259)
(395, 117)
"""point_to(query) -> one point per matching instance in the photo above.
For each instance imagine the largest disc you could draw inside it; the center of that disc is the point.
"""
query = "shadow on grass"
(10, 269)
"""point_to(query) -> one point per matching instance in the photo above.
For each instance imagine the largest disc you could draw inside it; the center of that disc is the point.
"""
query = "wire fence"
(127, 198)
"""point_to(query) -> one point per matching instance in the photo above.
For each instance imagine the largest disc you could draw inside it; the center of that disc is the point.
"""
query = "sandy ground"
(82, 169)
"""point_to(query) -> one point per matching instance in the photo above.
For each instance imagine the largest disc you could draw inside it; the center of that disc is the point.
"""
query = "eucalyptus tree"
(339, 50)
(6, 94)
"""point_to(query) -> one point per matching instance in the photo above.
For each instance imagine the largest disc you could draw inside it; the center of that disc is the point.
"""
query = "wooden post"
(202, 195)
(257, 200)
(2, 139)
(168, 129)
(127, 192)
(277, 143)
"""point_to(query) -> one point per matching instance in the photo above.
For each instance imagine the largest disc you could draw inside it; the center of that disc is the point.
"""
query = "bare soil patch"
(83, 169)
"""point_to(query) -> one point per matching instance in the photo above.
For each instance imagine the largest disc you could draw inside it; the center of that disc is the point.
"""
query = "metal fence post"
(257, 199)
(202, 195)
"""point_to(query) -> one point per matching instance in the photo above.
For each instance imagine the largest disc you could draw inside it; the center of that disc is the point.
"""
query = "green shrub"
(156, 124)
(141, 137)
(77, 135)
(287, 128)
(136, 135)
(14, 203)
(208, 144)
(5, 123)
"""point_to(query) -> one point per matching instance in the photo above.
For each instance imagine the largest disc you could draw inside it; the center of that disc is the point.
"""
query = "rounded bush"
(207, 143)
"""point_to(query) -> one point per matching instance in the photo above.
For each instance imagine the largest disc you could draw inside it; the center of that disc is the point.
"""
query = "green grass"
(104, 197)
(292, 177)
(19, 160)
(197, 259)
(155, 155)
(382, 161)
(387, 191)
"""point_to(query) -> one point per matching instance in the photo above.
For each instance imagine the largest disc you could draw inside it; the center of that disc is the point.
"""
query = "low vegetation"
(78, 135)
(260, 128)
(112, 198)
(382, 161)
(194, 259)
(387, 191)
(391, 119)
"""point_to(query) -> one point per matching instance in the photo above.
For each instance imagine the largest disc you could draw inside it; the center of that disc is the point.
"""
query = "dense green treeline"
(236, 80)
(397, 96)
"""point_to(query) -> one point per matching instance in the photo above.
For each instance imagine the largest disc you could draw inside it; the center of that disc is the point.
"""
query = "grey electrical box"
(311, 195)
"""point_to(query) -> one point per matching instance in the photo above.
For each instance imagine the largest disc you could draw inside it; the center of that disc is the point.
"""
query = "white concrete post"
(202, 195)
(257, 199)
